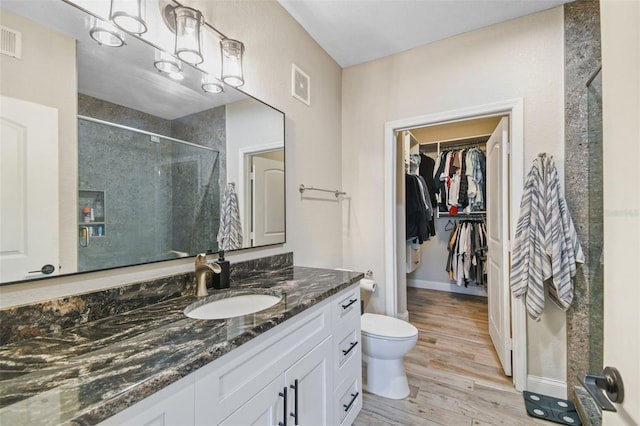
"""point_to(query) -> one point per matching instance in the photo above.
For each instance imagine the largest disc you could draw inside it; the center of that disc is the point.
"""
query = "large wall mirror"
(108, 162)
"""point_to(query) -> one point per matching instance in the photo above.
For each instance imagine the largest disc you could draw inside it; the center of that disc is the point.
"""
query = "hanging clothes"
(426, 170)
(419, 212)
(466, 263)
(459, 181)
(546, 246)
(230, 231)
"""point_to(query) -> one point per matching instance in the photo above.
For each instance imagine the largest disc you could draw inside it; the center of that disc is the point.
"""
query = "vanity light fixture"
(166, 62)
(189, 23)
(232, 51)
(210, 84)
(129, 15)
(105, 33)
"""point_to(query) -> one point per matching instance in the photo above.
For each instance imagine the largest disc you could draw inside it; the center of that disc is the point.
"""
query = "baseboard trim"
(545, 386)
(449, 287)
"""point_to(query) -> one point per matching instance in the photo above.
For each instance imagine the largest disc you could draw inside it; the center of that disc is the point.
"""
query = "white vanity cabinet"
(308, 394)
(298, 350)
(172, 405)
(347, 349)
(306, 370)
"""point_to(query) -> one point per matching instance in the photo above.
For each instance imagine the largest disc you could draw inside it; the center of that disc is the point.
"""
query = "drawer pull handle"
(346, 352)
(284, 395)
(354, 396)
(294, 414)
(351, 302)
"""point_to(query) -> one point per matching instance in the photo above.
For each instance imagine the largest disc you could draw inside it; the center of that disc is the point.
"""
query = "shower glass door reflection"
(144, 194)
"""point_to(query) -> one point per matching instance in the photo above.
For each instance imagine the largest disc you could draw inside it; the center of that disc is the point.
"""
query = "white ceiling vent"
(11, 43)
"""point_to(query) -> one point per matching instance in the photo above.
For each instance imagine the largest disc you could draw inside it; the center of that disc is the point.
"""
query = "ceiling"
(357, 31)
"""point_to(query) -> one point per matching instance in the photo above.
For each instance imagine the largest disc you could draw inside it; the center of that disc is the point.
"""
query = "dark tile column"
(582, 61)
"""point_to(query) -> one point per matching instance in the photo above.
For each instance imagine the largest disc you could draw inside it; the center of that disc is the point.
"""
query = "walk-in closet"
(454, 192)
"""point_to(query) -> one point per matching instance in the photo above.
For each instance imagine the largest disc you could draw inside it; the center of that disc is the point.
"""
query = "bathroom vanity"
(297, 362)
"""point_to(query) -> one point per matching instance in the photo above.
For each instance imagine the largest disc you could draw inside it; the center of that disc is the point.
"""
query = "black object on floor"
(553, 409)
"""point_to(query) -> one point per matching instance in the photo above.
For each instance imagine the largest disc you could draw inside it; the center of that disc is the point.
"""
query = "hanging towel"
(230, 231)
(546, 246)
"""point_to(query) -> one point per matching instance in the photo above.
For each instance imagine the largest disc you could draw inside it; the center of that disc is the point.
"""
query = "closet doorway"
(507, 318)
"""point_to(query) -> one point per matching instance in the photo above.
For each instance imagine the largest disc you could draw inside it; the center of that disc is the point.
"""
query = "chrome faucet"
(202, 267)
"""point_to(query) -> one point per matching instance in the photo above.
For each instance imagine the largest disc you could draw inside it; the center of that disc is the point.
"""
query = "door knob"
(611, 382)
(46, 269)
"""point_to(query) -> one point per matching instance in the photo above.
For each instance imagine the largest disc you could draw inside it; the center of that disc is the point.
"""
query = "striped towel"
(546, 246)
(230, 231)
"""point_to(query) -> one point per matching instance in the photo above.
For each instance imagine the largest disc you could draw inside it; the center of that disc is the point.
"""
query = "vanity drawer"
(348, 345)
(346, 308)
(349, 403)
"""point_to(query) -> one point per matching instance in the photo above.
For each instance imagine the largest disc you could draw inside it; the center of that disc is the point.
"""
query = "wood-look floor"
(454, 373)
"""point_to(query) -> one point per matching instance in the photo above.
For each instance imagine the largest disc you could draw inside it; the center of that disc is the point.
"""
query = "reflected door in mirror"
(268, 214)
(28, 189)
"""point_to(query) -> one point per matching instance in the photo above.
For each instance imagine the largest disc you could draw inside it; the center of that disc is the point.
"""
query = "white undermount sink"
(232, 306)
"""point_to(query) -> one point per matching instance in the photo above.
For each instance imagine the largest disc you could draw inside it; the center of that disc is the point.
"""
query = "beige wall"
(620, 24)
(522, 58)
(48, 77)
(273, 41)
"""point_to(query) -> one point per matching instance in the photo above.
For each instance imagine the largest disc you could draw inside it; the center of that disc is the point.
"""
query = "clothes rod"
(335, 192)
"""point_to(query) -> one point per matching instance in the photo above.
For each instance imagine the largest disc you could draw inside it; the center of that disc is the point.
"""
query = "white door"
(621, 148)
(309, 387)
(497, 240)
(266, 408)
(268, 201)
(28, 188)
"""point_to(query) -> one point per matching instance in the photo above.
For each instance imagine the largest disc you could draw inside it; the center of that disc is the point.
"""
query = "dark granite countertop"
(92, 371)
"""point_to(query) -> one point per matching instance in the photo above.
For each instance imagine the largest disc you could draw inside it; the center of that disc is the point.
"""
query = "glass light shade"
(232, 51)
(166, 62)
(211, 84)
(106, 34)
(188, 26)
(129, 15)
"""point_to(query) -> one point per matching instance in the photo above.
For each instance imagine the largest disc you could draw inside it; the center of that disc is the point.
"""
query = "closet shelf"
(462, 215)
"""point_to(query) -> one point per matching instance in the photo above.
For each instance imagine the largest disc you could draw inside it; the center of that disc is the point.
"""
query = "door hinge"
(510, 344)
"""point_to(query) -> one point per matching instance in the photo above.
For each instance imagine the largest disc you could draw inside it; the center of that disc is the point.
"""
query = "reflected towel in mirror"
(230, 232)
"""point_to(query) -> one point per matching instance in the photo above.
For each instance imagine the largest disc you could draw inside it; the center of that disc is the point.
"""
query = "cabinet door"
(309, 382)
(171, 406)
(267, 407)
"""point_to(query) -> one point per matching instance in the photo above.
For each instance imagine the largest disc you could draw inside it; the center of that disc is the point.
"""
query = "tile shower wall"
(166, 186)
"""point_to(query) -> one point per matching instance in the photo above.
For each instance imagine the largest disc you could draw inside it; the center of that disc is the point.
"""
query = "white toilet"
(385, 341)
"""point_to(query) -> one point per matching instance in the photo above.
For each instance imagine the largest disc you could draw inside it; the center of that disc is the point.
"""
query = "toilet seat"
(385, 327)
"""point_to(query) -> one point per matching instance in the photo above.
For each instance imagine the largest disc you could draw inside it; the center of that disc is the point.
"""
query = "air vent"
(11, 43)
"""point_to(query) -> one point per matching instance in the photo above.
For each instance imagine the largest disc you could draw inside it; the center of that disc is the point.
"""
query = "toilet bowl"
(385, 341)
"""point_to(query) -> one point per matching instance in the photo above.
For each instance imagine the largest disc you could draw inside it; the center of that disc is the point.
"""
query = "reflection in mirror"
(126, 165)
